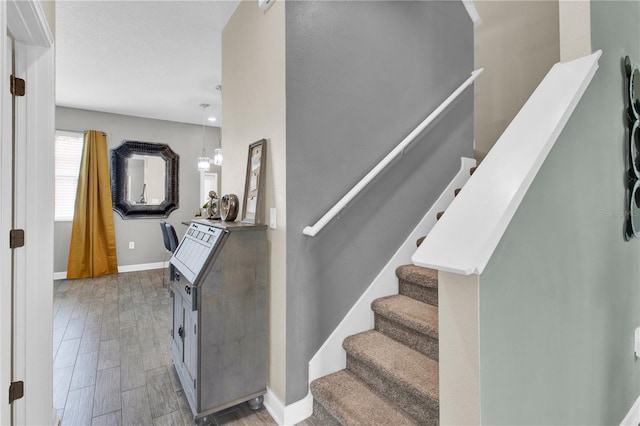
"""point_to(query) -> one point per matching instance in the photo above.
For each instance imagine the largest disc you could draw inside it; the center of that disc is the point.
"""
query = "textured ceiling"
(155, 59)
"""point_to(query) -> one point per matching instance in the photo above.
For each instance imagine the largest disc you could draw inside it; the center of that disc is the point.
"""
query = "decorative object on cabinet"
(219, 323)
(229, 207)
(633, 176)
(144, 180)
(213, 206)
(254, 184)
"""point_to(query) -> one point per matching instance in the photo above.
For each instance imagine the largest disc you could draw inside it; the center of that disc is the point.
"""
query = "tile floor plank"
(162, 397)
(66, 356)
(135, 407)
(131, 371)
(84, 373)
(109, 354)
(110, 419)
(171, 419)
(77, 412)
(61, 382)
(107, 393)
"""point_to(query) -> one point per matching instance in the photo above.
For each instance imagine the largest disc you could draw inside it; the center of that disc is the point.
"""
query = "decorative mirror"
(633, 120)
(144, 180)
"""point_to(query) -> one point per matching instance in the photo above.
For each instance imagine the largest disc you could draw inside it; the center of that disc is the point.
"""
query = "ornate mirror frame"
(119, 157)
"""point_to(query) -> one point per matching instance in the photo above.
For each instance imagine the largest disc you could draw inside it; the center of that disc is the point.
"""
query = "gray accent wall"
(360, 77)
(560, 298)
(184, 139)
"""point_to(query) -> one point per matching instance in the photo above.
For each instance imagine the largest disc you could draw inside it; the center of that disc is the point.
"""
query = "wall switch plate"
(132, 245)
(272, 218)
(637, 342)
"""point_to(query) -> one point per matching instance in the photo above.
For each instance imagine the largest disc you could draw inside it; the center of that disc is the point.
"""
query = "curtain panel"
(92, 252)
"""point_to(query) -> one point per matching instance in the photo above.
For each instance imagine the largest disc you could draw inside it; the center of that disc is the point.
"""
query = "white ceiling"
(155, 59)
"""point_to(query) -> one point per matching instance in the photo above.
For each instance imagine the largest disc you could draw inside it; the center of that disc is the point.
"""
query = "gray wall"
(184, 139)
(560, 298)
(360, 77)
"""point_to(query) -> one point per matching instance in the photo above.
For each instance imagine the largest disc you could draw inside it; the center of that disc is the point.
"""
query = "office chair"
(170, 240)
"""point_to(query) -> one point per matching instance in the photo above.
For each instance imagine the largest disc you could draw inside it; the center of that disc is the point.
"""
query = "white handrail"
(313, 230)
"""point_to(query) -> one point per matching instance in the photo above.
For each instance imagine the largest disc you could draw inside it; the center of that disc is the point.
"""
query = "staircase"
(392, 371)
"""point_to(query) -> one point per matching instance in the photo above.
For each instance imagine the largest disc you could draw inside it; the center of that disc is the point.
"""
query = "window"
(68, 152)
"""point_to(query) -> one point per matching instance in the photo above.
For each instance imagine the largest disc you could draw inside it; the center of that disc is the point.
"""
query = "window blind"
(68, 153)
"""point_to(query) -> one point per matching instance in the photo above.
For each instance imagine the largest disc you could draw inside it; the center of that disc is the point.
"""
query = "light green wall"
(560, 298)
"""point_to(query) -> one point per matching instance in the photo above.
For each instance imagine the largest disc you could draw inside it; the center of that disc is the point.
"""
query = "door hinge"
(194, 329)
(16, 238)
(16, 391)
(17, 86)
(194, 383)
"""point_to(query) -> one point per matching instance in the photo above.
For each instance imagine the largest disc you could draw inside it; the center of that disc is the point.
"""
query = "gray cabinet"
(219, 325)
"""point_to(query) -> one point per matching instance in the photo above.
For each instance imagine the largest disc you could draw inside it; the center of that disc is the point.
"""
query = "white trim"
(5, 219)
(633, 416)
(290, 414)
(470, 6)
(399, 149)
(331, 356)
(142, 267)
(25, 20)
(464, 239)
(124, 268)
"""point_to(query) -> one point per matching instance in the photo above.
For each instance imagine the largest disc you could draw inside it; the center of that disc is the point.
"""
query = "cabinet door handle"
(187, 289)
(181, 332)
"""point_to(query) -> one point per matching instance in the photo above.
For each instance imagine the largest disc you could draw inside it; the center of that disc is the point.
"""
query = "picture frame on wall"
(254, 185)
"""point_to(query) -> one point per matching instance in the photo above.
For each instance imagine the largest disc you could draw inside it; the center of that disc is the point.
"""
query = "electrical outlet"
(637, 342)
(272, 218)
(132, 245)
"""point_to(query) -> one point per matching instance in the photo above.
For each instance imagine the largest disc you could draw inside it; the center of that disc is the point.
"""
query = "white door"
(26, 273)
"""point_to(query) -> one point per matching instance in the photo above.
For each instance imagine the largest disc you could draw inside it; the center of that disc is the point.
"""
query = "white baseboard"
(290, 414)
(633, 416)
(331, 356)
(123, 268)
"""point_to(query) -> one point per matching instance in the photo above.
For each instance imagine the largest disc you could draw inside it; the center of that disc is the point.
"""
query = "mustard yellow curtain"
(92, 252)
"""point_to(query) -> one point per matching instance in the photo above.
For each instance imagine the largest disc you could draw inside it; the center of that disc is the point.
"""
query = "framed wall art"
(254, 184)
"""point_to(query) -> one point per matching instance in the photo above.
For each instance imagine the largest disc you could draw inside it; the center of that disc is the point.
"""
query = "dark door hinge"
(17, 86)
(194, 383)
(16, 238)
(16, 391)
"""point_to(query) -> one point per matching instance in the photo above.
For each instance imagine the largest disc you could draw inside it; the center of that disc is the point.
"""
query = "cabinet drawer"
(187, 292)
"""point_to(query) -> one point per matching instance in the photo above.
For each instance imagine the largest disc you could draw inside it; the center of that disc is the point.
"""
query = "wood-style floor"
(111, 362)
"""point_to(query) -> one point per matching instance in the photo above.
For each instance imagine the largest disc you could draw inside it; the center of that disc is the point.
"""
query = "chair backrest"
(172, 237)
(165, 235)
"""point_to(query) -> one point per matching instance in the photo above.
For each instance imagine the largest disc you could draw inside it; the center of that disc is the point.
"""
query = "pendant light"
(217, 156)
(204, 164)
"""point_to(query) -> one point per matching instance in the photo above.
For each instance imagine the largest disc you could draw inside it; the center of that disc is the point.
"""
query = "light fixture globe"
(217, 157)
(204, 164)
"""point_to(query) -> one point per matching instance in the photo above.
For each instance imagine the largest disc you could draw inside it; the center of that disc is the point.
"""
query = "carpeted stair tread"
(425, 277)
(409, 370)
(409, 312)
(350, 402)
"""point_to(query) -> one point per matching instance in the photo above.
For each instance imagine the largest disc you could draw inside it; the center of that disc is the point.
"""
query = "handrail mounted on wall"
(313, 230)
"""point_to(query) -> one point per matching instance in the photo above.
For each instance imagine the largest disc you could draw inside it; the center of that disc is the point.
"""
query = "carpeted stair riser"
(423, 411)
(408, 321)
(424, 294)
(321, 416)
(418, 283)
(407, 336)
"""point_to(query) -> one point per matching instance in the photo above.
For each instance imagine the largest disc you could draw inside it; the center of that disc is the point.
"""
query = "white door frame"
(33, 299)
